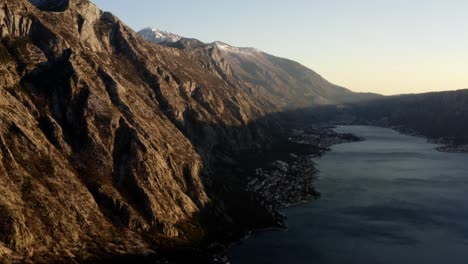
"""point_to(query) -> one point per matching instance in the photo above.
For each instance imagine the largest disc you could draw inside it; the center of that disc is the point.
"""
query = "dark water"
(390, 199)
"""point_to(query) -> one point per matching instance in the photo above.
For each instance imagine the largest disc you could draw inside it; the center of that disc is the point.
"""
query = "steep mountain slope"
(283, 82)
(105, 138)
(108, 142)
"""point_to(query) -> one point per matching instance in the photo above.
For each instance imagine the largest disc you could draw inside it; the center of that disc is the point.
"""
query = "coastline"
(444, 144)
(325, 147)
(317, 140)
(312, 225)
(321, 138)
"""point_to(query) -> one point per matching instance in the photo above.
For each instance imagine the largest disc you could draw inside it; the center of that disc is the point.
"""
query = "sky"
(382, 46)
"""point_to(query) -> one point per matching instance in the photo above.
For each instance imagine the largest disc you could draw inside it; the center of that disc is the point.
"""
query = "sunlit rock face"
(108, 142)
(51, 5)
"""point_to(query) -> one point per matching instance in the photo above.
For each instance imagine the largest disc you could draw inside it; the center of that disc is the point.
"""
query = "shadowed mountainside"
(438, 115)
(110, 145)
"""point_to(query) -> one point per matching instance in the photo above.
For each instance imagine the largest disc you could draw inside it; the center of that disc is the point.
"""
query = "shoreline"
(442, 148)
(268, 229)
(382, 152)
(444, 144)
(318, 139)
(320, 136)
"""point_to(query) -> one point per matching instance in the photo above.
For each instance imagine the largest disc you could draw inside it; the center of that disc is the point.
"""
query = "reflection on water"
(390, 199)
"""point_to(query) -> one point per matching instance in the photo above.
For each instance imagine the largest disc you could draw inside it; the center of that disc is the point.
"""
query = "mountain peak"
(157, 35)
(226, 47)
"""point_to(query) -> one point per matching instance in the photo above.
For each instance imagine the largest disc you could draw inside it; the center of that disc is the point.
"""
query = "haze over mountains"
(111, 145)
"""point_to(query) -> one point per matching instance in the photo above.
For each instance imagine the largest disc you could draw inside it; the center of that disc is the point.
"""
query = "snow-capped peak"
(158, 36)
(228, 48)
(222, 45)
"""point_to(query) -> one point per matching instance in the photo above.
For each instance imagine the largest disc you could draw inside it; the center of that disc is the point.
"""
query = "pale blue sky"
(385, 46)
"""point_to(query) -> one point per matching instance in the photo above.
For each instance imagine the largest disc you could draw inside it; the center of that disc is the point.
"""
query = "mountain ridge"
(159, 36)
(109, 143)
(270, 76)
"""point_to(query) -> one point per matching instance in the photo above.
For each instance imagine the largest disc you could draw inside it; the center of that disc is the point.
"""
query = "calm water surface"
(390, 199)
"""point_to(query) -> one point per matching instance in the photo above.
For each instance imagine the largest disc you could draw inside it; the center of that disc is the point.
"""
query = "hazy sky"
(384, 46)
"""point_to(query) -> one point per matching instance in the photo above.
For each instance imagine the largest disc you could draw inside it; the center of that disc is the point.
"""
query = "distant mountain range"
(439, 116)
(283, 82)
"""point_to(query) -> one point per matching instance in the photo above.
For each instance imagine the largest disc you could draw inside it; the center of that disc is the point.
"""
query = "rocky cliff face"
(94, 125)
(107, 140)
(88, 148)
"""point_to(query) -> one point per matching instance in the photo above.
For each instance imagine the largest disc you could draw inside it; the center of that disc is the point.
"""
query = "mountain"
(105, 137)
(158, 36)
(110, 144)
(440, 116)
(283, 82)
